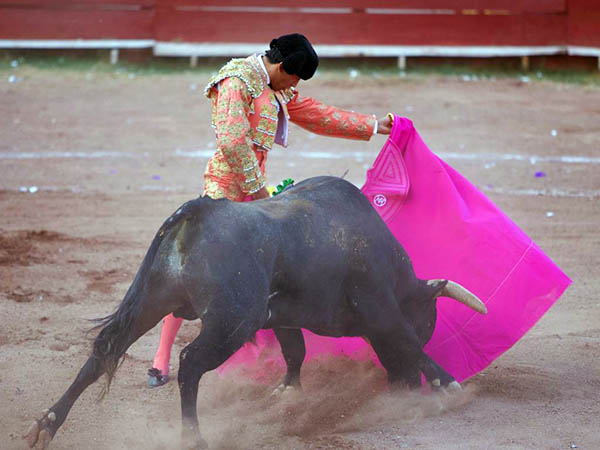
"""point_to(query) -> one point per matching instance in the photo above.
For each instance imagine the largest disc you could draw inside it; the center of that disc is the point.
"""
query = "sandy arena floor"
(91, 164)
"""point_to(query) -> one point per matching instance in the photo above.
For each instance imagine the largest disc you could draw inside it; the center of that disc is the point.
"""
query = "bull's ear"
(435, 288)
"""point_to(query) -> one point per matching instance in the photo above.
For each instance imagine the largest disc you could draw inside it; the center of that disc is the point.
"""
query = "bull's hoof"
(193, 443)
(40, 432)
(454, 387)
(283, 389)
(445, 386)
(44, 440)
(156, 378)
(199, 445)
(32, 434)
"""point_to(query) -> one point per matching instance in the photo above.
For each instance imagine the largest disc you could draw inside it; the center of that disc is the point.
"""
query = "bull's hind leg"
(294, 351)
(221, 336)
(114, 339)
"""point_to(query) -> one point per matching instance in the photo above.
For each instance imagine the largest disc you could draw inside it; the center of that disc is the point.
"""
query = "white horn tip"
(481, 308)
(455, 386)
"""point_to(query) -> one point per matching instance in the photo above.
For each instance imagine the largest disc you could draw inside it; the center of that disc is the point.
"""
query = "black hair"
(274, 55)
(296, 54)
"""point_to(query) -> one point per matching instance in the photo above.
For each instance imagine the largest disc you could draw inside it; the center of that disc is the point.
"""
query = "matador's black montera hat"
(298, 55)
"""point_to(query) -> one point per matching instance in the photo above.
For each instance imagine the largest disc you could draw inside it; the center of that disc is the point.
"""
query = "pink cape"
(451, 231)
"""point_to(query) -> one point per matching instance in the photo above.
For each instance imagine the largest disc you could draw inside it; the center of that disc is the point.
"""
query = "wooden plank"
(544, 29)
(360, 29)
(70, 4)
(377, 51)
(547, 24)
(44, 24)
(583, 23)
(400, 6)
(80, 44)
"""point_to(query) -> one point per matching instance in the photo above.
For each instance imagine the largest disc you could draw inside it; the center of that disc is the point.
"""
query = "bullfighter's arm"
(233, 133)
(328, 120)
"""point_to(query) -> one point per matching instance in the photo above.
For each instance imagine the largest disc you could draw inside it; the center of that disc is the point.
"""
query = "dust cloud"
(338, 396)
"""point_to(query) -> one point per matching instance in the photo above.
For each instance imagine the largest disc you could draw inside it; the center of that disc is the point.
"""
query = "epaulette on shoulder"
(288, 94)
(243, 69)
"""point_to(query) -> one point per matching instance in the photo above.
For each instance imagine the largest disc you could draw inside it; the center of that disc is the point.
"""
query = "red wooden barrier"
(76, 19)
(338, 22)
(583, 23)
(408, 22)
(546, 6)
(363, 29)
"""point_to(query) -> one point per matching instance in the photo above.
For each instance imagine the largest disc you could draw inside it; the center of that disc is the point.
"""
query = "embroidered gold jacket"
(248, 117)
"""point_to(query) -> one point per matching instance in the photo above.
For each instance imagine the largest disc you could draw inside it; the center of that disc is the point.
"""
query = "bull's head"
(422, 309)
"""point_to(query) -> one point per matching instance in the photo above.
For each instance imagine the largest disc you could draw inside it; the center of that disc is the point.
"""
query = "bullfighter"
(253, 100)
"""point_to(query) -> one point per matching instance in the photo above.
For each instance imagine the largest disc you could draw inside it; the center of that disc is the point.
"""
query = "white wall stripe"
(408, 11)
(480, 157)
(315, 10)
(265, 9)
(543, 192)
(557, 193)
(326, 10)
(70, 155)
(76, 43)
(336, 51)
(487, 157)
(495, 157)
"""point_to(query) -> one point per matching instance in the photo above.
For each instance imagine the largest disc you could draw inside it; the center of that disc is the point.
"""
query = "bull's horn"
(459, 293)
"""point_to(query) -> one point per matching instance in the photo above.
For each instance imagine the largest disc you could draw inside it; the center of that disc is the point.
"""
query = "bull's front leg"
(435, 374)
(399, 351)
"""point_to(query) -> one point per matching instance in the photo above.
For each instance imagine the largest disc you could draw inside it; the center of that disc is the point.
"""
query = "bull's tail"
(116, 331)
(141, 309)
(112, 341)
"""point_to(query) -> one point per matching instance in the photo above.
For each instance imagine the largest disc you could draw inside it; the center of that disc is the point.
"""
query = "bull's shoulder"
(325, 181)
(324, 189)
(331, 192)
(195, 210)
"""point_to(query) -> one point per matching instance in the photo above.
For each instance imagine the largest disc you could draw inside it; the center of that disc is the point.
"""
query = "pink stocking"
(169, 330)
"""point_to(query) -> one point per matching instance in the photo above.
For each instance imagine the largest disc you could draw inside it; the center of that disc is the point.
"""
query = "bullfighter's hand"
(384, 125)
(263, 193)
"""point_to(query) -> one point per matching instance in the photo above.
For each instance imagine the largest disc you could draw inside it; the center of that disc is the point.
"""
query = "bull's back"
(331, 234)
(339, 211)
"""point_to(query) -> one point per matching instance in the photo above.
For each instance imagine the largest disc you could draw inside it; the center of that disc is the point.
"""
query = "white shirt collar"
(262, 65)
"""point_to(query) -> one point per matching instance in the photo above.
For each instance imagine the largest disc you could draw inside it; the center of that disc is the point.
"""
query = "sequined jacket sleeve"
(233, 133)
(327, 120)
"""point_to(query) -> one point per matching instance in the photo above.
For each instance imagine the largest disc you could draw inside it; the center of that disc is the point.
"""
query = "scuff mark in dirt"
(105, 281)
(21, 248)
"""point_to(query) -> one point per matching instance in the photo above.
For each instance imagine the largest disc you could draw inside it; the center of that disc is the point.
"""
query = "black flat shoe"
(156, 378)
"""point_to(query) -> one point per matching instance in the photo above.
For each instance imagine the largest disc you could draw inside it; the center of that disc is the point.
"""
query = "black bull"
(317, 257)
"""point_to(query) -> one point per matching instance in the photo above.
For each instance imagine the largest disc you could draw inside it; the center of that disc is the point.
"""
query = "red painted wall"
(408, 22)
(583, 22)
(77, 19)
(360, 22)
